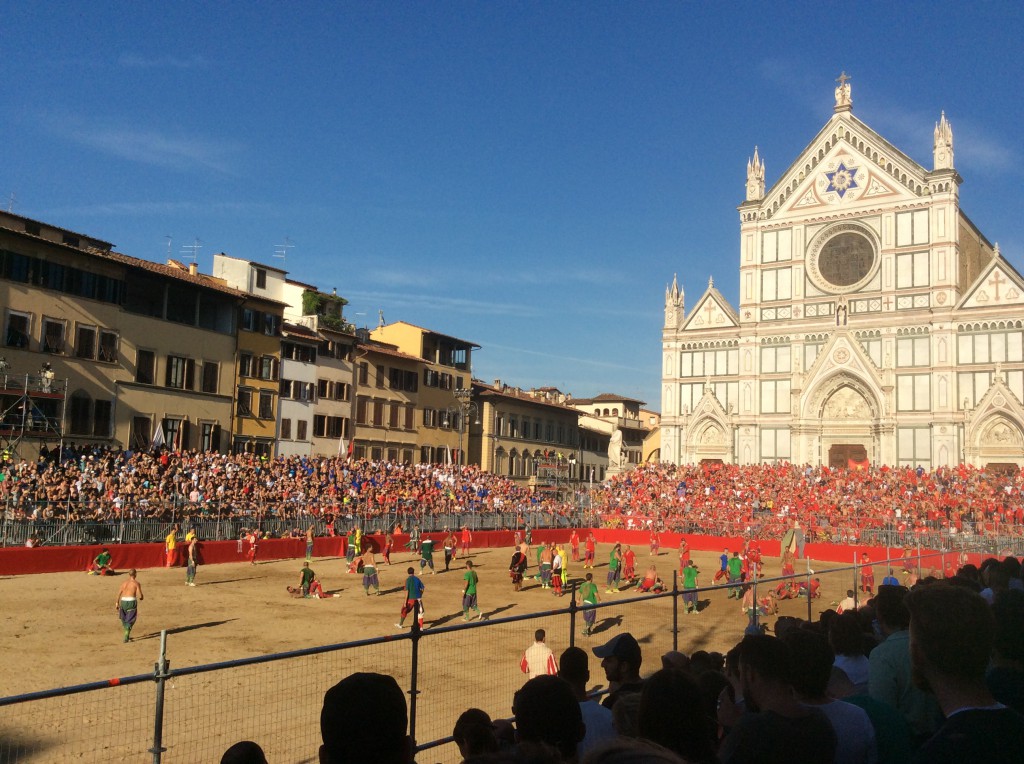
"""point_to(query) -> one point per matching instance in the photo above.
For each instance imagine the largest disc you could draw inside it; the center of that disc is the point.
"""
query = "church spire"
(675, 307)
(942, 152)
(755, 178)
(844, 100)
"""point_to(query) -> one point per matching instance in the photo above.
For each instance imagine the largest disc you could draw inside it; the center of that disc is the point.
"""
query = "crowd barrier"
(128, 529)
(20, 560)
(58, 559)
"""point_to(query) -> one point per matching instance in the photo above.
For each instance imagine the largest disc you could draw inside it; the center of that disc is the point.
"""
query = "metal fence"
(195, 713)
(127, 530)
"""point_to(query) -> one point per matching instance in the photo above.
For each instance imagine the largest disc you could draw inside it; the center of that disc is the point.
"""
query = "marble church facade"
(875, 322)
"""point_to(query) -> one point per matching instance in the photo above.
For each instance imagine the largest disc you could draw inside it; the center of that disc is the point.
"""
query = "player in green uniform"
(306, 580)
(735, 566)
(690, 574)
(588, 598)
(370, 577)
(469, 593)
(101, 565)
(614, 563)
(427, 555)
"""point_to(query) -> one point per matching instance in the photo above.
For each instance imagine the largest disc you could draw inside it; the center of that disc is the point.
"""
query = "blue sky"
(527, 176)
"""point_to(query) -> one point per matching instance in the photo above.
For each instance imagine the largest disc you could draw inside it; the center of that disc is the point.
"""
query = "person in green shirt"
(101, 565)
(306, 580)
(690, 573)
(589, 597)
(735, 575)
(469, 593)
(427, 555)
(614, 563)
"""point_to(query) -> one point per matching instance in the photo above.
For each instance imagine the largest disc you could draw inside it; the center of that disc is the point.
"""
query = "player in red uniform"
(467, 537)
(684, 554)
(867, 574)
(254, 543)
(574, 542)
(655, 544)
(754, 556)
(629, 564)
(591, 550)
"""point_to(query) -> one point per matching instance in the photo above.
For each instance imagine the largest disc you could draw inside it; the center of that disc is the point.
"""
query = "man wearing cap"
(346, 735)
(621, 659)
(538, 659)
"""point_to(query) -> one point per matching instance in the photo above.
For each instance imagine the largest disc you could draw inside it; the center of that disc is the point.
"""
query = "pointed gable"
(842, 354)
(712, 311)
(847, 164)
(998, 285)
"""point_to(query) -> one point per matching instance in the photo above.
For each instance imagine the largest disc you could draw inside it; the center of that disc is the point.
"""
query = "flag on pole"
(158, 436)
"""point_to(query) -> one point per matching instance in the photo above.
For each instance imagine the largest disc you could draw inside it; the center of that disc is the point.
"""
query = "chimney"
(497, 383)
(193, 269)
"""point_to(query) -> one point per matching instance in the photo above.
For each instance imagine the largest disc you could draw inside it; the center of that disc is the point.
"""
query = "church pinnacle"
(942, 151)
(755, 178)
(675, 305)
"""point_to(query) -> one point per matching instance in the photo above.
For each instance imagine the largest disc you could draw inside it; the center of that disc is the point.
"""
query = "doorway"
(842, 454)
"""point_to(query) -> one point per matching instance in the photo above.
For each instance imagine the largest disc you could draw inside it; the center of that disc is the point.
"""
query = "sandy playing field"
(61, 629)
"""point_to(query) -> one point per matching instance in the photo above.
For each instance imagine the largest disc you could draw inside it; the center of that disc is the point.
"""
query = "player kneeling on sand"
(101, 565)
(309, 585)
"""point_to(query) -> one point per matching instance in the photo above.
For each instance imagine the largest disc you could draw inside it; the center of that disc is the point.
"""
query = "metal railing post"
(415, 661)
(675, 610)
(810, 617)
(572, 615)
(160, 674)
(856, 592)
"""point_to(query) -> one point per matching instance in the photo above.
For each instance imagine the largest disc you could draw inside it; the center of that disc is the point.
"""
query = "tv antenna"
(169, 240)
(281, 250)
(194, 247)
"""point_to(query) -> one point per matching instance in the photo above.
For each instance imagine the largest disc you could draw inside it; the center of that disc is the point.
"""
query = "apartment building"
(387, 396)
(444, 418)
(146, 349)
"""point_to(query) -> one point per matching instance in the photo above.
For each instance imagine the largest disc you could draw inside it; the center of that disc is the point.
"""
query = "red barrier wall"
(20, 560)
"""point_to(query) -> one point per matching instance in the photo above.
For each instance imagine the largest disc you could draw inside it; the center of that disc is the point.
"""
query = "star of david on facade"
(842, 180)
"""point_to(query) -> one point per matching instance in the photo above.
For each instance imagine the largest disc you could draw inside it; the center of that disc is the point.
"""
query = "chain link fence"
(194, 714)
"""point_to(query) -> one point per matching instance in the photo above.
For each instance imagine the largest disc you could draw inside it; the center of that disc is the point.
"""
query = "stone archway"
(711, 441)
(847, 413)
(1000, 440)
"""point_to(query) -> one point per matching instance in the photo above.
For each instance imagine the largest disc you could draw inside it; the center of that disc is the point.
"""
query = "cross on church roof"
(843, 78)
(995, 282)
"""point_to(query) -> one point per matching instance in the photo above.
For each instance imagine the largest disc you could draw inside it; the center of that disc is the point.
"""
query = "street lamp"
(458, 411)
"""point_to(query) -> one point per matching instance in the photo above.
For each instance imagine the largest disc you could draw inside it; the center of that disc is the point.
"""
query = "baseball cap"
(623, 646)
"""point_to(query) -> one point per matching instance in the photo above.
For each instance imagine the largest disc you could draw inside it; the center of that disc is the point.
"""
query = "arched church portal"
(848, 433)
